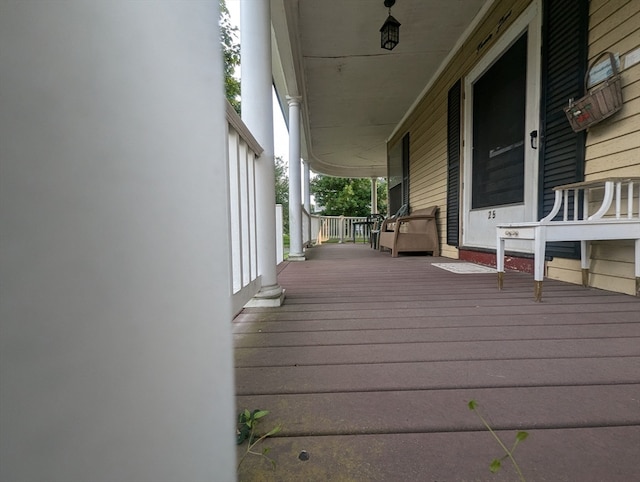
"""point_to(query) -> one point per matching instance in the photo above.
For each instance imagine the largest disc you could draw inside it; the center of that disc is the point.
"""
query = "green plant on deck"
(496, 464)
(248, 423)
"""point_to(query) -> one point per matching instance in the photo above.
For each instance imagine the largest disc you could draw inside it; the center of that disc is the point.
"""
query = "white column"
(279, 234)
(257, 114)
(307, 187)
(295, 182)
(307, 196)
(374, 195)
(116, 351)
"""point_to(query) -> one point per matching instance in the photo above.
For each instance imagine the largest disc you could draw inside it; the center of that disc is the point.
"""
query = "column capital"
(294, 99)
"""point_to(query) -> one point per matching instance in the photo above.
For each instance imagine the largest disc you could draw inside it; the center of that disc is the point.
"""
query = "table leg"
(539, 246)
(584, 262)
(637, 267)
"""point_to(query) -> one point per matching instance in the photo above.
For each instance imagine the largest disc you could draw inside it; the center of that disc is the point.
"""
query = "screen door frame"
(479, 225)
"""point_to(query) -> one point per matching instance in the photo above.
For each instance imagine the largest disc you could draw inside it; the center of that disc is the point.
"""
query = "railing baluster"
(618, 198)
(638, 201)
(630, 200)
(585, 203)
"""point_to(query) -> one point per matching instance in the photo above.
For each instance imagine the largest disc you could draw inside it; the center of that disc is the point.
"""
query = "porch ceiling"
(355, 93)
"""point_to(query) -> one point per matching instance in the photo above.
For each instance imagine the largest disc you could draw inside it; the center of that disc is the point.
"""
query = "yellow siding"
(600, 11)
(613, 146)
(569, 274)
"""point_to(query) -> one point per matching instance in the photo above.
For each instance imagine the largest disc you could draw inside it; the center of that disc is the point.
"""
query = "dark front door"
(499, 101)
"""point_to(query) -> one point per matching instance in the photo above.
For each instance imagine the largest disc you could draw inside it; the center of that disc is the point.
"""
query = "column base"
(267, 297)
(297, 257)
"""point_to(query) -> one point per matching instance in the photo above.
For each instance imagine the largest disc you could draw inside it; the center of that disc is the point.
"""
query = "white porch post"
(257, 114)
(374, 195)
(307, 196)
(116, 350)
(307, 187)
(295, 182)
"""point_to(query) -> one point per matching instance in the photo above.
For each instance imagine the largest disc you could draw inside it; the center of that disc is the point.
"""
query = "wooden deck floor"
(370, 364)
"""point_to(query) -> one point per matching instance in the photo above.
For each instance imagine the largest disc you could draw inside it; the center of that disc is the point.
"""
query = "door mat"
(464, 268)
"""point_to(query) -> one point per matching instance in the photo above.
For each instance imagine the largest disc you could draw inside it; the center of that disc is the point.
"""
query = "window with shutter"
(564, 62)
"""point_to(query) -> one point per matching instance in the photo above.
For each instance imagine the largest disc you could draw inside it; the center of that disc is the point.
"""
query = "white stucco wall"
(115, 342)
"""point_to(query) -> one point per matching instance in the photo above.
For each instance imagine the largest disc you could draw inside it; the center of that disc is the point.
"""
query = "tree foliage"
(338, 196)
(231, 55)
(282, 190)
(382, 195)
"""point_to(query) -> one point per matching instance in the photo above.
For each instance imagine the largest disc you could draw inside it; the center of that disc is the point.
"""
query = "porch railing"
(341, 228)
(242, 152)
(311, 228)
(321, 229)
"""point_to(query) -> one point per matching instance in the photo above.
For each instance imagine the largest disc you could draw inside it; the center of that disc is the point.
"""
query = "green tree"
(340, 196)
(282, 190)
(231, 55)
(382, 195)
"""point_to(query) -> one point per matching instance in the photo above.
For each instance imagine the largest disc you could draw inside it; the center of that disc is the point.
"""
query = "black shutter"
(405, 169)
(453, 164)
(564, 62)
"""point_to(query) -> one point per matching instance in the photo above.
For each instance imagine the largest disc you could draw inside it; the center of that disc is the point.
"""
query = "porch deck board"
(438, 417)
(438, 334)
(348, 354)
(370, 363)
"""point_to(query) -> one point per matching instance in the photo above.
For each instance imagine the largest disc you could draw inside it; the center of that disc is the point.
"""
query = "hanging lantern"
(390, 31)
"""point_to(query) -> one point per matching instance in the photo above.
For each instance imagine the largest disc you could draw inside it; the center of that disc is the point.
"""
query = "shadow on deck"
(370, 364)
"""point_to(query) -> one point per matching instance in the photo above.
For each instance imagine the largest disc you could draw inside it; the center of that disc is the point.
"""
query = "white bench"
(604, 224)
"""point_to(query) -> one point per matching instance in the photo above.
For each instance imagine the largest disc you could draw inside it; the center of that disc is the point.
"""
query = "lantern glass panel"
(390, 33)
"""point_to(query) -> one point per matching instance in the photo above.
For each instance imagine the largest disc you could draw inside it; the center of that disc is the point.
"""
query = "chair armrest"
(383, 226)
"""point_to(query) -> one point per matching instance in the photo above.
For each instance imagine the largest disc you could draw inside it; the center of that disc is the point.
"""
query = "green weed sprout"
(496, 464)
(247, 431)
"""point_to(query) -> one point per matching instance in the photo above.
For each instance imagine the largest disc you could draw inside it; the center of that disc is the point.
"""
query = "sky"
(281, 135)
